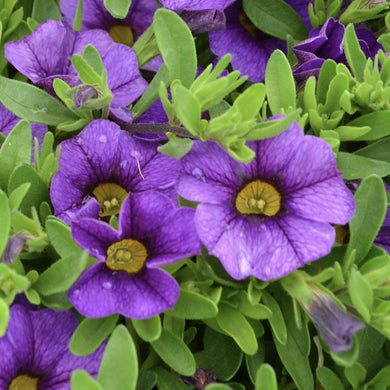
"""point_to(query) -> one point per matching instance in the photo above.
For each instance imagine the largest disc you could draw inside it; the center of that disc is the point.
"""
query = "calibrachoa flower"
(126, 279)
(34, 352)
(273, 215)
(107, 163)
(95, 15)
(46, 54)
(335, 326)
(327, 42)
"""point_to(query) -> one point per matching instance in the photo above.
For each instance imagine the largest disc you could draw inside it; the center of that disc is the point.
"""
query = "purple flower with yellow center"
(106, 163)
(250, 48)
(328, 42)
(273, 215)
(126, 278)
(96, 16)
(34, 352)
(46, 54)
(335, 325)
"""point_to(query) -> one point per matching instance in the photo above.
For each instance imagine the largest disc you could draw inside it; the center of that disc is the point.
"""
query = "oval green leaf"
(149, 329)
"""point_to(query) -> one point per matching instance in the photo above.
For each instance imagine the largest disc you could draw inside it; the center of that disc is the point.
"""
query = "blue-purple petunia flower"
(271, 216)
(328, 42)
(126, 279)
(46, 54)
(106, 163)
(96, 16)
(34, 352)
(335, 325)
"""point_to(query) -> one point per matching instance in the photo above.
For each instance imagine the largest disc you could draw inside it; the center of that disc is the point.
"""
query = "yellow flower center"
(110, 197)
(247, 24)
(122, 34)
(126, 255)
(24, 382)
(259, 197)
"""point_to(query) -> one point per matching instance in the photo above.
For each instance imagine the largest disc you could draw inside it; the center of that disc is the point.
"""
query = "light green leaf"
(361, 294)
(91, 333)
(81, 380)
(176, 45)
(266, 378)
(148, 329)
(119, 367)
(5, 218)
(117, 8)
(354, 54)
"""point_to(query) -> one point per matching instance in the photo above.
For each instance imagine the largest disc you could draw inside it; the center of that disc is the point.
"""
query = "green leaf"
(60, 237)
(356, 374)
(176, 45)
(275, 17)
(16, 150)
(151, 93)
(361, 294)
(266, 378)
(85, 71)
(81, 380)
(371, 207)
(328, 379)
(378, 123)
(187, 108)
(279, 83)
(236, 325)
(78, 17)
(29, 102)
(5, 218)
(276, 320)
(249, 102)
(191, 305)
(119, 366)
(62, 274)
(326, 75)
(44, 10)
(118, 8)
(176, 147)
(174, 352)
(354, 54)
(379, 150)
(382, 377)
(168, 381)
(148, 329)
(337, 86)
(354, 166)
(4, 317)
(91, 333)
(221, 355)
(38, 191)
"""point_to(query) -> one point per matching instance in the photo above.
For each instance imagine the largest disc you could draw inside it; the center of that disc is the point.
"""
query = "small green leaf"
(149, 329)
(361, 294)
(60, 237)
(371, 207)
(276, 320)
(378, 123)
(279, 83)
(236, 325)
(191, 305)
(117, 8)
(328, 379)
(174, 352)
(354, 166)
(4, 317)
(16, 150)
(81, 380)
(62, 274)
(275, 17)
(29, 102)
(5, 218)
(44, 10)
(354, 54)
(356, 374)
(176, 45)
(176, 147)
(266, 378)
(91, 333)
(119, 366)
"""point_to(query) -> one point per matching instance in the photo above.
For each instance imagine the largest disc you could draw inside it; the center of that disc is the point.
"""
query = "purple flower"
(107, 163)
(335, 326)
(327, 42)
(383, 237)
(95, 15)
(199, 5)
(126, 279)
(34, 352)
(46, 54)
(271, 216)
(250, 48)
